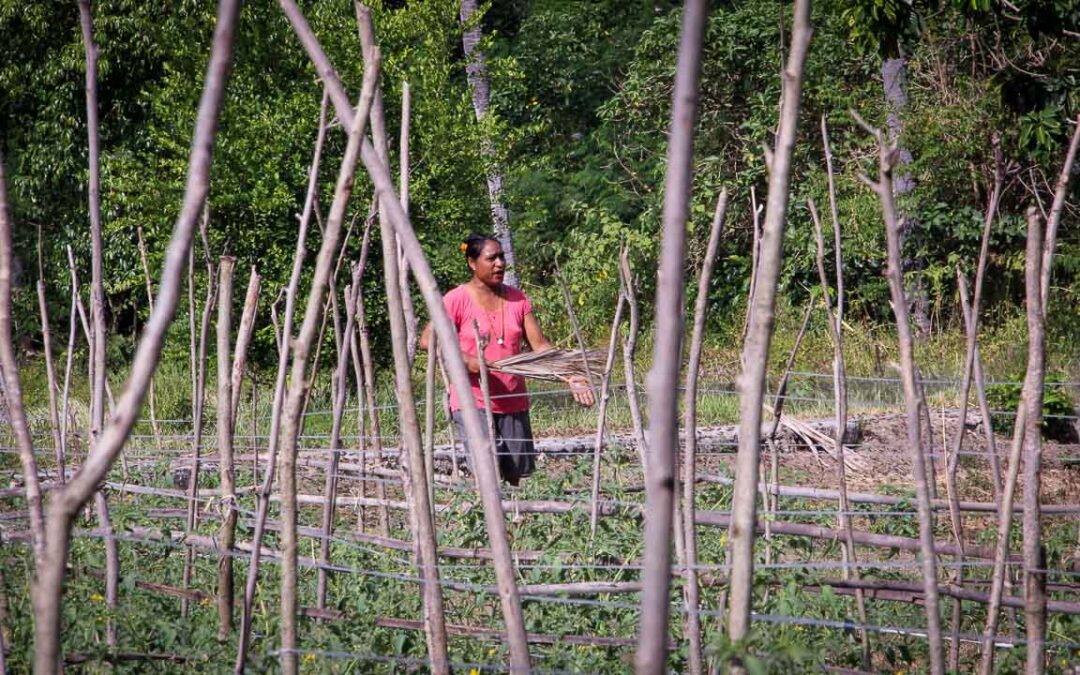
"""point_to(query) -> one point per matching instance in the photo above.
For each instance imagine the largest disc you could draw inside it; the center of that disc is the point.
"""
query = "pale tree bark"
(279, 392)
(663, 379)
(759, 335)
(1054, 217)
(291, 422)
(691, 590)
(483, 463)
(1034, 554)
(65, 504)
(227, 532)
(884, 190)
(97, 303)
(476, 74)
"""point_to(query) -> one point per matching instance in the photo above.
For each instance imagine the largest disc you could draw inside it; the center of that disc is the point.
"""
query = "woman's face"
(490, 265)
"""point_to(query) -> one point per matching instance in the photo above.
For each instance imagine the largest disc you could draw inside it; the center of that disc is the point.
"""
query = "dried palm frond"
(552, 364)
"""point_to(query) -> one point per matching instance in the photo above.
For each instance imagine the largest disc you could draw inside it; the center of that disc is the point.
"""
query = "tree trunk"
(476, 73)
(894, 85)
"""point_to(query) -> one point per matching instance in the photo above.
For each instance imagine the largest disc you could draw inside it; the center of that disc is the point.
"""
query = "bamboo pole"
(601, 414)
(65, 505)
(1034, 554)
(663, 379)
(372, 402)
(225, 430)
(411, 321)
(291, 421)
(759, 334)
(279, 389)
(452, 360)
(689, 562)
(835, 324)
(883, 188)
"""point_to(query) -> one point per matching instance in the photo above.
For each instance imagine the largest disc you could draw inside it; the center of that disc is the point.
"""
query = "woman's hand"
(581, 389)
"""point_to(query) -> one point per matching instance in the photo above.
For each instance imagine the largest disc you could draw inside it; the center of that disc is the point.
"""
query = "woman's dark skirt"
(514, 447)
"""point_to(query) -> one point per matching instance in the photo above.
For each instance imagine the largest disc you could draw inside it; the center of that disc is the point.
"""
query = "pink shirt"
(508, 392)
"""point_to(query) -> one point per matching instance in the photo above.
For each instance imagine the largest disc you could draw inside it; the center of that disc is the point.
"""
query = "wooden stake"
(66, 503)
(452, 360)
(291, 422)
(651, 657)
(279, 389)
(883, 188)
(836, 331)
(1034, 554)
(689, 561)
(225, 426)
(601, 415)
(759, 335)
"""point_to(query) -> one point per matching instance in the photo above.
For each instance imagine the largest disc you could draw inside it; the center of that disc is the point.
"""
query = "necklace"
(500, 337)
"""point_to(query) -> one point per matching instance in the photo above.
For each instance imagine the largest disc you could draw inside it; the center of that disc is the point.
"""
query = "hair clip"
(464, 247)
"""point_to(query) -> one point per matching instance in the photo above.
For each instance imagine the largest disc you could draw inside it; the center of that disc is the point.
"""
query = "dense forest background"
(580, 95)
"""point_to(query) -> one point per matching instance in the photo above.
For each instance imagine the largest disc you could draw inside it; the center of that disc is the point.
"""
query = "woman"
(506, 322)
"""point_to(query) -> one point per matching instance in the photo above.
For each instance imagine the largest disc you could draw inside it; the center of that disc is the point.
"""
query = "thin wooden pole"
(291, 418)
(9, 368)
(691, 589)
(1034, 554)
(429, 417)
(243, 339)
(626, 279)
(651, 657)
(341, 390)
(66, 503)
(226, 469)
(279, 391)
(601, 415)
(152, 402)
(452, 359)
(50, 374)
(836, 331)
(1054, 217)
(97, 303)
(199, 405)
(883, 188)
(73, 331)
(980, 390)
(759, 335)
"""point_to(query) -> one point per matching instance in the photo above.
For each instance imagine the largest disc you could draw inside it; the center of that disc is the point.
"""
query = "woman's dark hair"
(474, 244)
